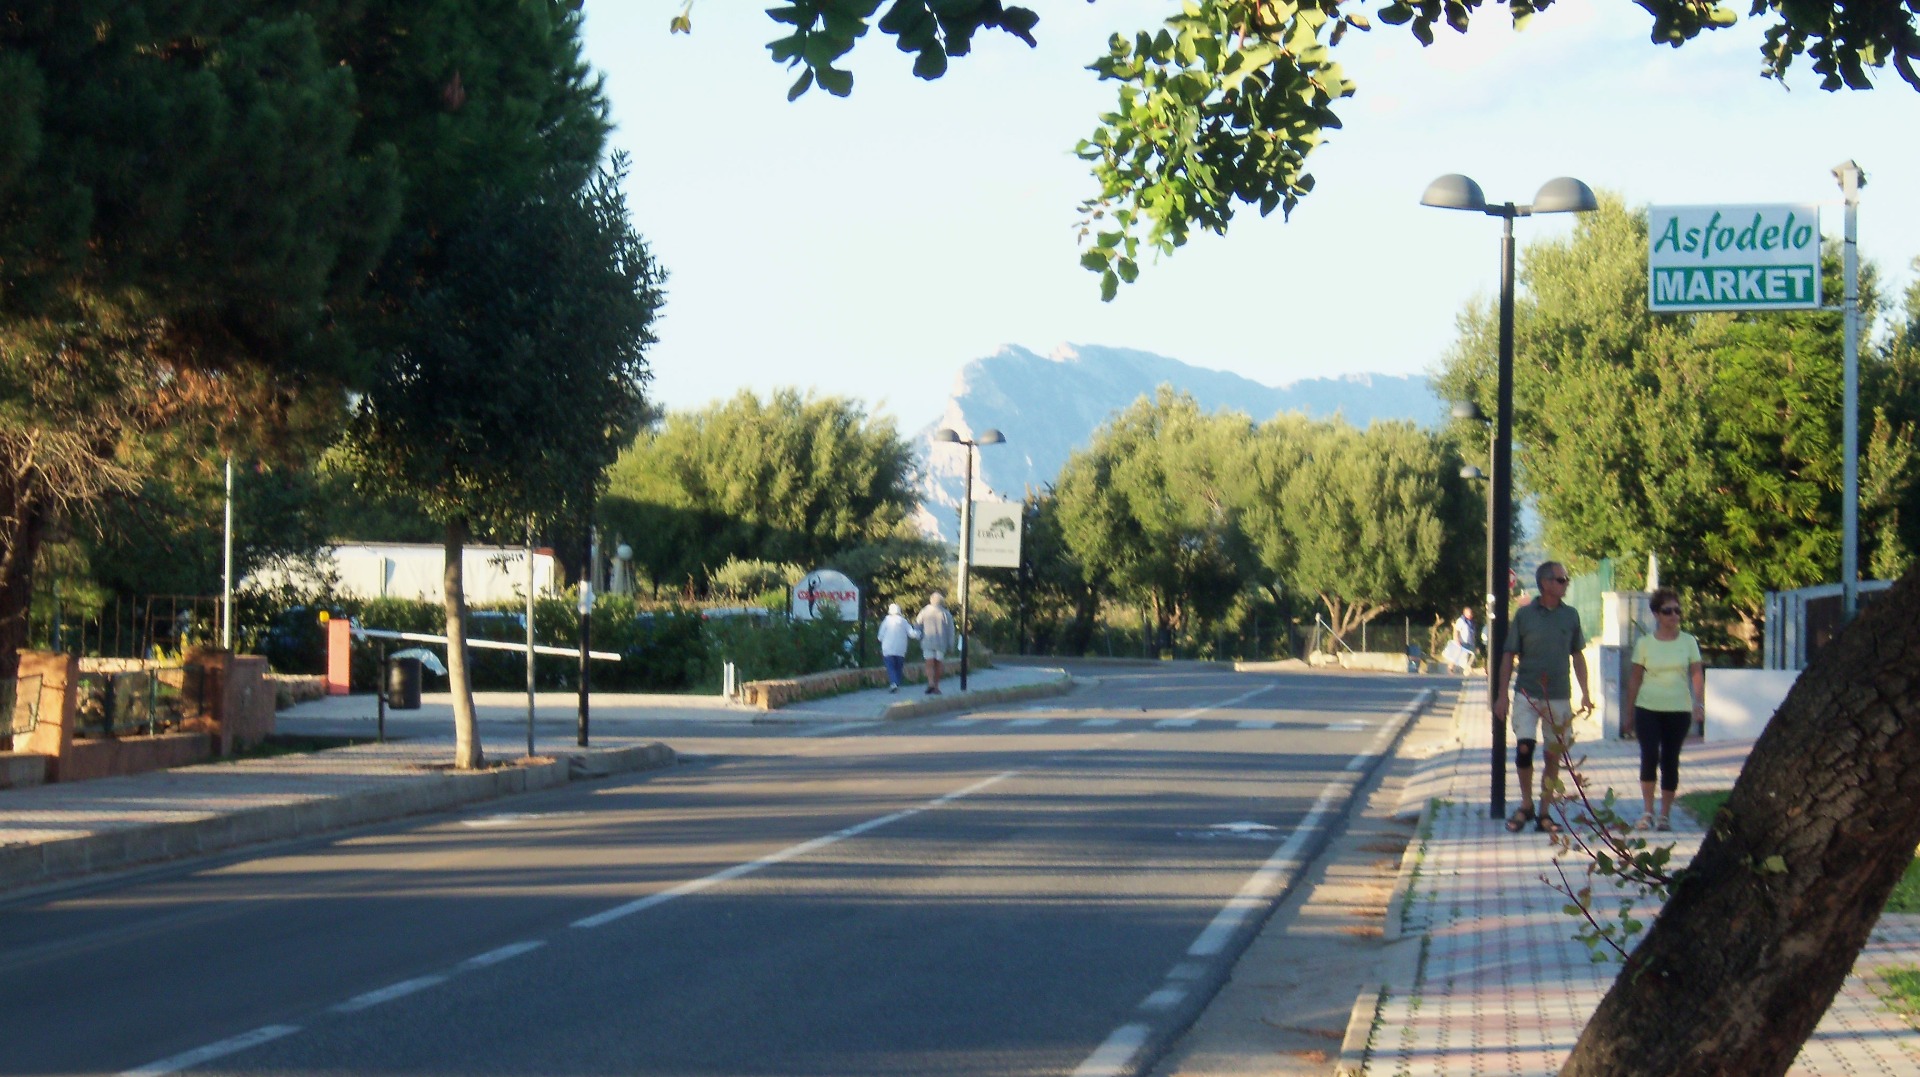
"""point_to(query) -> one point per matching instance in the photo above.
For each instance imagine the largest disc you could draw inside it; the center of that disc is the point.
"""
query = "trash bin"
(403, 684)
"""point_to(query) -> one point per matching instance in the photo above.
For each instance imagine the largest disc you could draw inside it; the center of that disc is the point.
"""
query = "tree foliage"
(793, 479)
(1712, 440)
(1221, 105)
(1184, 513)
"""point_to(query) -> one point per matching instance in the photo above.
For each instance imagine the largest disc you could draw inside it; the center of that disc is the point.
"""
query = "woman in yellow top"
(1666, 697)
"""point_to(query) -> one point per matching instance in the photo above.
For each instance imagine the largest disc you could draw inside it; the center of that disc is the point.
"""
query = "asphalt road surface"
(1052, 888)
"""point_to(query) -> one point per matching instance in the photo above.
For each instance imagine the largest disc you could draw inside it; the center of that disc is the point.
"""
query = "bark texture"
(467, 754)
(1766, 922)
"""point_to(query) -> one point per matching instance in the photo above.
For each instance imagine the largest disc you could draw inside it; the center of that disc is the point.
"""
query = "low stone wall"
(88, 758)
(290, 689)
(774, 694)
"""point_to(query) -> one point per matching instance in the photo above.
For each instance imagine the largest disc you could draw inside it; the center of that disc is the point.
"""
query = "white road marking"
(389, 993)
(694, 886)
(1345, 727)
(1029, 722)
(1188, 970)
(958, 721)
(1111, 1057)
(1173, 723)
(190, 1059)
(1096, 723)
(1256, 723)
(1241, 698)
(504, 953)
(1164, 999)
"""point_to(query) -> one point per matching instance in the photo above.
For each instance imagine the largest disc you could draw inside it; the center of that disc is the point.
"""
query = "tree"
(1373, 520)
(1224, 104)
(516, 378)
(181, 204)
(1766, 921)
(1145, 511)
(793, 478)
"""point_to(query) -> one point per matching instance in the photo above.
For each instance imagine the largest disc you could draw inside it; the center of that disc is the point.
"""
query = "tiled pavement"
(1500, 984)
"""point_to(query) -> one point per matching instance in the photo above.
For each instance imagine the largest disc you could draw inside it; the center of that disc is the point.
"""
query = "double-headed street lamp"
(952, 437)
(1562, 195)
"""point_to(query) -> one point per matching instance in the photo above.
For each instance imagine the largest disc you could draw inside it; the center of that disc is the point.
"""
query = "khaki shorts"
(1526, 722)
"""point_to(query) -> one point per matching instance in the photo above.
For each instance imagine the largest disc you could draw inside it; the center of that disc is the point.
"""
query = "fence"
(1584, 591)
(1798, 623)
(128, 702)
(124, 626)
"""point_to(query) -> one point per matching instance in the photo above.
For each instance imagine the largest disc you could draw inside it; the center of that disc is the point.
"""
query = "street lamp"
(951, 437)
(1561, 195)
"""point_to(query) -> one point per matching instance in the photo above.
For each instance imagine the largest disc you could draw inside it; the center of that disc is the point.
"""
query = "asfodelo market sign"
(1733, 258)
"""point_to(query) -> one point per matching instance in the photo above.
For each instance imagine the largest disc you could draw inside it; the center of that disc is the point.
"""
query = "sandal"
(1545, 825)
(1519, 819)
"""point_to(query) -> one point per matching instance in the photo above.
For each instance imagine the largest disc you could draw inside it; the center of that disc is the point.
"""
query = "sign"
(1733, 258)
(823, 587)
(996, 534)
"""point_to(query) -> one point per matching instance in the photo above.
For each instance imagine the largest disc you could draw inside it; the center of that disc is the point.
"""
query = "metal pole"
(966, 555)
(1502, 513)
(529, 638)
(380, 708)
(586, 636)
(227, 569)
(1850, 184)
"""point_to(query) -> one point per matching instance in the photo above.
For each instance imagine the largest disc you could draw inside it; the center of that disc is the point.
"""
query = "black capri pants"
(1660, 734)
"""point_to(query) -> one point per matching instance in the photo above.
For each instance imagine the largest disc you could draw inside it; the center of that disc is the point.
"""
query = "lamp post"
(952, 437)
(1851, 179)
(1561, 195)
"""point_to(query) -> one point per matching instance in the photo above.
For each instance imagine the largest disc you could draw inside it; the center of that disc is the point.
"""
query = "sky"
(870, 246)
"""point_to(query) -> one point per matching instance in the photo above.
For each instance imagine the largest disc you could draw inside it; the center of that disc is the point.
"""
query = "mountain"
(1048, 406)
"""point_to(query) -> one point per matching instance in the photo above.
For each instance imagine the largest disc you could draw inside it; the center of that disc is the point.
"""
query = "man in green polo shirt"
(1546, 640)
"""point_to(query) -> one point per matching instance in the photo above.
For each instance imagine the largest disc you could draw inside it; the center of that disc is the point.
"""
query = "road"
(1045, 889)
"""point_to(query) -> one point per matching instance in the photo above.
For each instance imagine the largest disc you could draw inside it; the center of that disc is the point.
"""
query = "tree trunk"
(23, 524)
(1766, 922)
(466, 732)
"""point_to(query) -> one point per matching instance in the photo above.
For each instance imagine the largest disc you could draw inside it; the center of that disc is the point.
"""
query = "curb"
(914, 708)
(1410, 857)
(38, 863)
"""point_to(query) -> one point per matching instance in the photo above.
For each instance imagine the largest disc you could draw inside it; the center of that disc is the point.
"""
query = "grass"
(1902, 988)
(1906, 893)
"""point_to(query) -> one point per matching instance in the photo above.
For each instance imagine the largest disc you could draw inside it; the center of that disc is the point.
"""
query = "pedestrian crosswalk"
(1028, 723)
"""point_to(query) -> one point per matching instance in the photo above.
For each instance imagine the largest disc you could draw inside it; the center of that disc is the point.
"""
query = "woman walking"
(1666, 699)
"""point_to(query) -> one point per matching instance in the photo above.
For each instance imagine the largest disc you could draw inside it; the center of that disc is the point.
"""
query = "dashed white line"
(504, 953)
(1096, 723)
(1111, 1057)
(389, 993)
(1164, 999)
(1241, 698)
(1345, 727)
(190, 1059)
(958, 722)
(694, 886)
(1029, 723)
(1174, 723)
(1256, 723)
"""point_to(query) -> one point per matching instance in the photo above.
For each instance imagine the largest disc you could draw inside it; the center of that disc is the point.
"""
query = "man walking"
(1546, 640)
(936, 637)
(1459, 652)
(894, 632)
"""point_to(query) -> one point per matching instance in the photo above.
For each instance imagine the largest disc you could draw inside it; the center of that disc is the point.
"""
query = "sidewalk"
(1487, 976)
(54, 833)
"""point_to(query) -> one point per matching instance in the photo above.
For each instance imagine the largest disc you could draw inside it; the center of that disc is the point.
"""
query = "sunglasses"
(1675, 610)
(1556, 579)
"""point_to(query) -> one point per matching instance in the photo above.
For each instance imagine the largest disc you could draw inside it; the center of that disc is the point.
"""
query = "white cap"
(893, 608)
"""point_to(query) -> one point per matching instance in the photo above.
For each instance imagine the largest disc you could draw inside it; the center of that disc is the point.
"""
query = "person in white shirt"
(936, 637)
(894, 632)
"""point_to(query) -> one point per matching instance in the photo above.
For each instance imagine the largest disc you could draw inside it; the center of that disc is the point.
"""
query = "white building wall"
(415, 570)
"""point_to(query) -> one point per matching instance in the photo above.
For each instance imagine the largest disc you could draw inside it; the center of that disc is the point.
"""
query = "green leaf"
(1109, 286)
(1095, 259)
(801, 85)
(835, 81)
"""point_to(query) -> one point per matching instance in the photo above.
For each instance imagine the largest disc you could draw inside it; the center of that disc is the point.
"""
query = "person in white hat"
(936, 637)
(894, 632)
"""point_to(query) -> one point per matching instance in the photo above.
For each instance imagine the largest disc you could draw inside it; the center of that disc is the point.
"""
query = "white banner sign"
(1733, 258)
(996, 534)
(821, 588)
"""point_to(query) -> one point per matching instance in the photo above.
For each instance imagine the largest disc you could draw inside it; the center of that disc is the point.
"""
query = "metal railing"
(148, 701)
